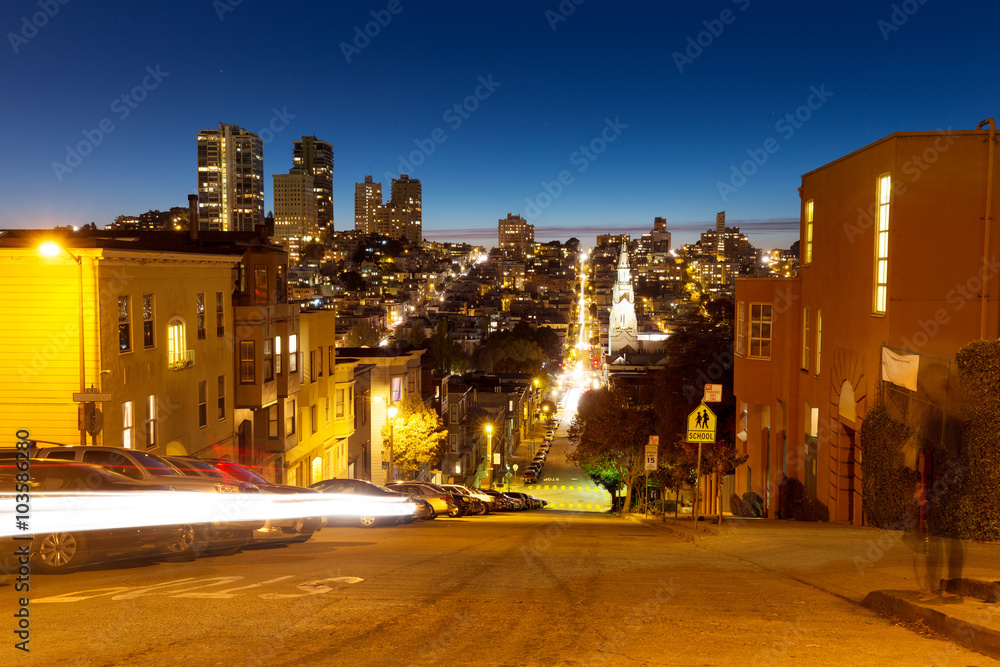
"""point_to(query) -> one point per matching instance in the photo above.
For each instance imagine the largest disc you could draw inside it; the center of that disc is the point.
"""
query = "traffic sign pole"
(697, 479)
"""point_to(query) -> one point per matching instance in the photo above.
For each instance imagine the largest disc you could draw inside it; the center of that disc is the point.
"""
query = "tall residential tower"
(315, 157)
(230, 179)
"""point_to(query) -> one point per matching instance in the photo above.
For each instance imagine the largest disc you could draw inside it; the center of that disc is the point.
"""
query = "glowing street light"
(489, 452)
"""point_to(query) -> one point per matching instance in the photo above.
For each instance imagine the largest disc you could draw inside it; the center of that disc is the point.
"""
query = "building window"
(330, 356)
(222, 398)
(260, 284)
(128, 424)
(268, 360)
(148, 339)
(454, 443)
(151, 421)
(277, 355)
(760, 331)
(741, 323)
(199, 308)
(397, 389)
(293, 352)
(341, 396)
(311, 371)
(326, 410)
(819, 337)
(314, 417)
(453, 410)
(350, 400)
(248, 368)
(808, 250)
(176, 344)
(202, 404)
(319, 367)
(272, 422)
(882, 244)
(124, 325)
(220, 316)
(290, 418)
(805, 339)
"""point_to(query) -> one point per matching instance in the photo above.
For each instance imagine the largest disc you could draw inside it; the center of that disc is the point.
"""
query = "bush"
(750, 505)
(888, 484)
(795, 505)
(735, 505)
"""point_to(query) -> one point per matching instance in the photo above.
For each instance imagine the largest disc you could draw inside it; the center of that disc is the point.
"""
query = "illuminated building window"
(819, 337)
(290, 418)
(199, 308)
(124, 324)
(760, 331)
(247, 362)
(272, 422)
(151, 421)
(222, 397)
(176, 344)
(882, 244)
(293, 353)
(397, 389)
(808, 250)
(220, 316)
(741, 322)
(148, 339)
(341, 397)
(268, 360)
(805, 339)
(277, 355)
(127, 425)
(202, 404)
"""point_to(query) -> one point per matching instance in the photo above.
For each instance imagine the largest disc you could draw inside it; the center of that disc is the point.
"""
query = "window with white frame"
(741, 324)
(124, 324)
(128, 425)
(807, 252)
(199, 309)
(248, 366)
(760, 331)
(293, 352)
(805, 338)
(148, 324)
(203, 404)
(176, 343)
(151, 421)
(884, 196)
(222, 397)
(819, 337)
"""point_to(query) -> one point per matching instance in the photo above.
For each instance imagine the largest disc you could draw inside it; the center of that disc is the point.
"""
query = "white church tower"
(622, 326)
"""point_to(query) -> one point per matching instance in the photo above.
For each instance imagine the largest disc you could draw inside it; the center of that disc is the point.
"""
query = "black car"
(361, 487)
(70, 549)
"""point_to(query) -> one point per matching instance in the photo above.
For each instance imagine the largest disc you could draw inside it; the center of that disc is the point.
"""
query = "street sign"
(651, 450)
(713, 393)
(515, 467)
(91, 396)
(701, 425)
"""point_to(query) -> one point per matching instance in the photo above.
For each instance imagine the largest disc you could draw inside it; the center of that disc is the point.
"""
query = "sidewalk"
(867, 566)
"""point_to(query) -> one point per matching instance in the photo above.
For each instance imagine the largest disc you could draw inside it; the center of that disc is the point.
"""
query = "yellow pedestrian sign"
(701, 425)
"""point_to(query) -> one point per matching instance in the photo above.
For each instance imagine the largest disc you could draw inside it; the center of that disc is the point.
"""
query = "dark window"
(220, 316)
(200, 310)
(203, 403)
(222, 397)
(148, 340)
(124, 325)
(247, 362)
(260, 284)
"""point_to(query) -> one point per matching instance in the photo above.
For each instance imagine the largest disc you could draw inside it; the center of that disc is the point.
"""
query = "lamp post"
(51, 249)
(391, 413)
(489, 453)
(534, 415)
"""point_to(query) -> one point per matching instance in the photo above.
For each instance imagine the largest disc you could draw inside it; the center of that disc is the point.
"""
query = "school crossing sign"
(701, 425)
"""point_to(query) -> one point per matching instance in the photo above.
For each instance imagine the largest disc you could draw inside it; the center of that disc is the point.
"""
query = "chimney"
(193, 216)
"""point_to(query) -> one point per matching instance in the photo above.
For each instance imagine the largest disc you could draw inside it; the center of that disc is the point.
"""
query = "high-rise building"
(295, 210)
(230, 179)
(315, 157)
(516, 234)
(407, 198)
(367, 200)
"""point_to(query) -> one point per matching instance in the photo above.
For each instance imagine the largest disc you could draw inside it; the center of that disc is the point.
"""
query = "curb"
(971, 635)
(688, 534)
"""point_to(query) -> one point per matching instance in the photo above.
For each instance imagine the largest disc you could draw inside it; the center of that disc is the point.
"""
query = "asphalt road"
(539, 588)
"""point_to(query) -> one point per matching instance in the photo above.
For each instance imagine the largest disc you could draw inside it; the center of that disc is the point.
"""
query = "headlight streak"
(64, 512)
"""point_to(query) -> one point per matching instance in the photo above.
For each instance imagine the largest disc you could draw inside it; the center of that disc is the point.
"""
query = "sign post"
(651, 453)
(700, 428)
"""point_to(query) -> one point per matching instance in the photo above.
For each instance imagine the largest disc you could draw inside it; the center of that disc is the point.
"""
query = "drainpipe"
(989, 221)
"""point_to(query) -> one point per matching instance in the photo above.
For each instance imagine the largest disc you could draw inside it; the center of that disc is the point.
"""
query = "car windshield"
(155, 464)
(208, 469)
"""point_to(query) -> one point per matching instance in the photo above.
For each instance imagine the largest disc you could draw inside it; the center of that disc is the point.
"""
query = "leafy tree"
(352, 281)
(362, 334)
(418, 435)
(416, 335)
(610, 433)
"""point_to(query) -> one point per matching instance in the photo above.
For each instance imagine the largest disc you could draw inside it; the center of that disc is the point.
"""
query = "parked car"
(218, 537)
(503, 503)
(375, 515)
(440, 499)
(529, 501)
(197, 468)
(69, 550)
(477, 503)
(530, 476)
(294, 530)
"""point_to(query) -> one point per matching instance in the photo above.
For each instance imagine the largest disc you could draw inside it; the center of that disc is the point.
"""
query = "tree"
(352, 281)
(418, 436)
(610, 433)
(362, 334)
(416, 335)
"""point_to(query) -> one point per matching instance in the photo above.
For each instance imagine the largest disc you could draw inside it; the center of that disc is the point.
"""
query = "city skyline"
(579, 117)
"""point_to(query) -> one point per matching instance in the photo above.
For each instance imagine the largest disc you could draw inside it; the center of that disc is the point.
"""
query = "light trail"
(59, 512)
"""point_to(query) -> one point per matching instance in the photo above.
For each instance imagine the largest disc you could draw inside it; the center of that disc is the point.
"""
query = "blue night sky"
(672, 131)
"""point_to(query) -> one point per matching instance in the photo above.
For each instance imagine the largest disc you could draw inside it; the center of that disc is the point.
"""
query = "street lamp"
(51, 249)
(489, 452)
(391, 413)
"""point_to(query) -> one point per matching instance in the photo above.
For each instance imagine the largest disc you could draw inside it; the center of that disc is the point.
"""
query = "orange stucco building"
(899, 258)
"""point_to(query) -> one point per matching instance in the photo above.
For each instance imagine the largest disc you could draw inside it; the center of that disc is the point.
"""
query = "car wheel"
(367, 521)
(456, 513)
(60, 552)
(184, 543)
